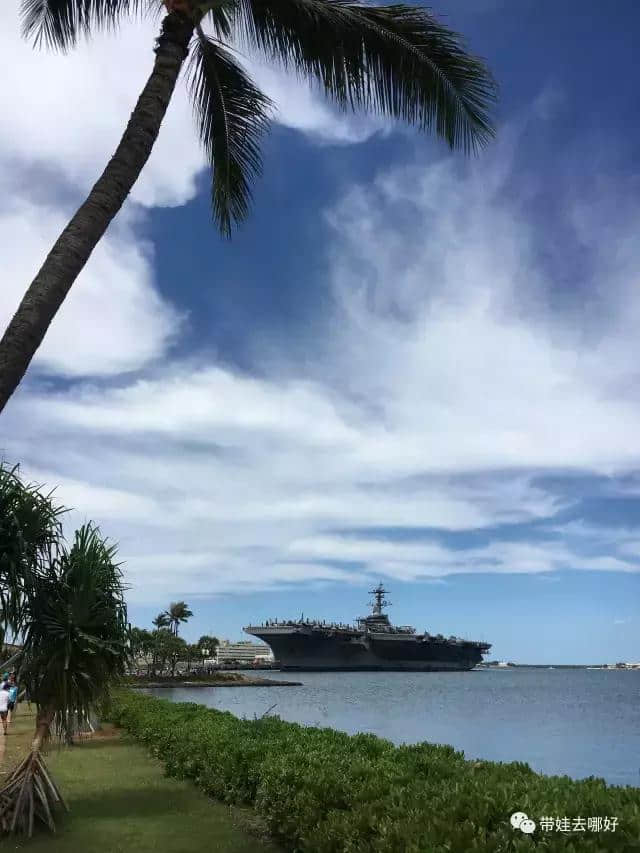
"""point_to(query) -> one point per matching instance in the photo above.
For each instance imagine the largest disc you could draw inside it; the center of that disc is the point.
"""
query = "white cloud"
(104, 503)
(211, 401)
(217, 481)
(430, 559)
(468, 381)
(113, 320)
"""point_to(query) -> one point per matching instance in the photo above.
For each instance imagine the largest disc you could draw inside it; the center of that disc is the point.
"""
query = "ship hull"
(305, 653)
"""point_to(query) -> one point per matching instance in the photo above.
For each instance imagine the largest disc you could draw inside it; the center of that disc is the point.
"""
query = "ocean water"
(560, 721)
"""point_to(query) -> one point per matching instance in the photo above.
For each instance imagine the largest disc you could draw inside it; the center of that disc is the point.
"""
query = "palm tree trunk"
(44, 721)
(73, 248)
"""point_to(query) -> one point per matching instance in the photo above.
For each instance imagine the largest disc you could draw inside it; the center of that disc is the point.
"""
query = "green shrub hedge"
(324, 791)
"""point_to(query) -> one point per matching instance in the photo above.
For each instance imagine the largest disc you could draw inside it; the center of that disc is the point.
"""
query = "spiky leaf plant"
(75, 648)
(29, 532)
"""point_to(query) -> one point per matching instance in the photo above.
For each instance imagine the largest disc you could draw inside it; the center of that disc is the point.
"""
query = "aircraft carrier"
(372, 644)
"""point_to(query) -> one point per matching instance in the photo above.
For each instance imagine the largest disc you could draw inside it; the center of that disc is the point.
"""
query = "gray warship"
(372, 644)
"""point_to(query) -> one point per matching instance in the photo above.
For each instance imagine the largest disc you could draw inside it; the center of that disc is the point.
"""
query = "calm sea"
(560, 721)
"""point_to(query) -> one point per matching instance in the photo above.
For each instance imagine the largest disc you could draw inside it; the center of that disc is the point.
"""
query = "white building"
(243, 652)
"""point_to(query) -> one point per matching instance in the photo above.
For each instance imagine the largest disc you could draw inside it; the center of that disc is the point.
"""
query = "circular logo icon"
(517, 818)
(528, 826)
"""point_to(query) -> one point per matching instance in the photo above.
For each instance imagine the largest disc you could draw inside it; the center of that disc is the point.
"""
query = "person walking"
(4, 705)
(13, 695)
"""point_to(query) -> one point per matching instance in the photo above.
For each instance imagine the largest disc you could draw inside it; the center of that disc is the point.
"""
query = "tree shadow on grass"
(55, 746)
(154, 817)
(105, 778)
(139, 802)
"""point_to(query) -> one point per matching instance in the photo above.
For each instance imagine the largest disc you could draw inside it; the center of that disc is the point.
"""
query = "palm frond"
(59, 23)
(220, 14)
(231, 114)
(396, 60)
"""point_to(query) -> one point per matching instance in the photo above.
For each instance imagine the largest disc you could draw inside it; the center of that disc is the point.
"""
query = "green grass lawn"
(120, 801)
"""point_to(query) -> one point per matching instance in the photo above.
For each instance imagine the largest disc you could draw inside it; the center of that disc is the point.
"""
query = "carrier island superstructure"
(372, 644)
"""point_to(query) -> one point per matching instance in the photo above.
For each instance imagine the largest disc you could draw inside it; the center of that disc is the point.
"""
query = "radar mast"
(379, 592)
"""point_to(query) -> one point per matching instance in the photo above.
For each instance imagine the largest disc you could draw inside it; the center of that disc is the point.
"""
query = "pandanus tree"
(396, 60)
(75, 647)
(30, 529)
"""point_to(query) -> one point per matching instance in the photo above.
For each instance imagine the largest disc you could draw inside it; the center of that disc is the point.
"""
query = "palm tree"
(397, 60)
(162, 624)
(76, 645)
(162, 620)
(178, 612)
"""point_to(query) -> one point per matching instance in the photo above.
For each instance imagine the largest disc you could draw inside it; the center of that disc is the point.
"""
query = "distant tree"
(138, 638)
(141, 644)
(162, 620)
(208, 642)
(168, 650)
(177, 651)
(157, 639)
(193, 653)
(178, 613)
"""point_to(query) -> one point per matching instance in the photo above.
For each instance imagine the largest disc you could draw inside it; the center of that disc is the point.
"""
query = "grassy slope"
(120, 801)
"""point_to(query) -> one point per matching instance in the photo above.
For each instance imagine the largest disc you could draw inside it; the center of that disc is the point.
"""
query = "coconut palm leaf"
(397, 60)
(162, 620)
(178, 612)
(220, 14)
(59, 23)
(231, 114)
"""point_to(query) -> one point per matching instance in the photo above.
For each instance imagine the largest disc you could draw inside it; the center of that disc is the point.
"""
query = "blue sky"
(405, 367)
